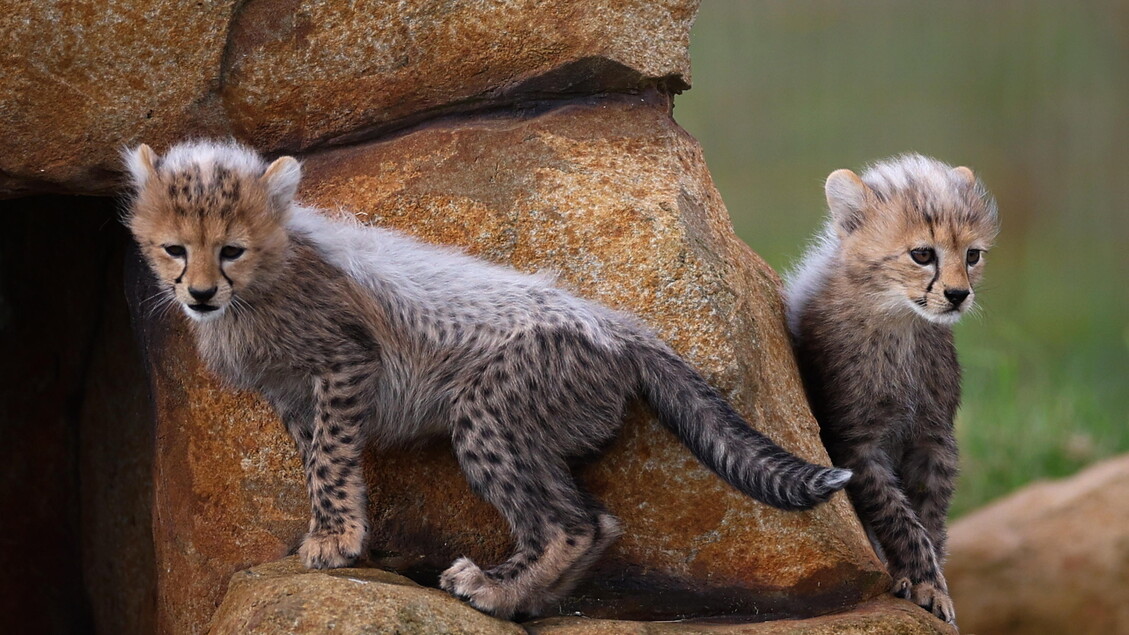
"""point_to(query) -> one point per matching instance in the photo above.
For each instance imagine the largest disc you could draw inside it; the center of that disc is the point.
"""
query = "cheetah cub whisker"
(870, 308)
(359, 335)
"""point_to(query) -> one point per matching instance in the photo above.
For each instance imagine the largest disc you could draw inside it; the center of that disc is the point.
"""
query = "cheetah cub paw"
(331, 550)
(928, 596)
(466, 581)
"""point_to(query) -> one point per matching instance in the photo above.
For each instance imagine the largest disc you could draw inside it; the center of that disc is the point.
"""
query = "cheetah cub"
(870, 309)
(362, 335)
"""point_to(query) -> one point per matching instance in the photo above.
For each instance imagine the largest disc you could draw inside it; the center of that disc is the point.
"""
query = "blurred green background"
(1034, 96)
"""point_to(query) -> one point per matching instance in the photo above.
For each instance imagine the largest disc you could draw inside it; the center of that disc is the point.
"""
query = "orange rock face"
(335, 69)
(615, 198)
(228, 492)
(80, 81)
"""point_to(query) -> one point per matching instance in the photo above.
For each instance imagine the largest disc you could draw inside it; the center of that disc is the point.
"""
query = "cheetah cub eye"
(231, 252)
(923, 256)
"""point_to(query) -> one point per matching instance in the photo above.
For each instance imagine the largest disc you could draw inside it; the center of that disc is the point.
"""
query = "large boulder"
(1051, 558)
(615, 198)
(354, 69)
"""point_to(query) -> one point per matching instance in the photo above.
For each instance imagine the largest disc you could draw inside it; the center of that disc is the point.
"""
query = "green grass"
(1027, 416)
(1035, 98)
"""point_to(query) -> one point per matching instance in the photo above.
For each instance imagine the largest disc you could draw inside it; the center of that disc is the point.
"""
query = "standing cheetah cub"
(870, 309)
(362, 335)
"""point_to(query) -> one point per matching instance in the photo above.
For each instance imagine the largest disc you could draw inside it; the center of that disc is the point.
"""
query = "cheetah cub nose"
(207, 294)
(956, 296)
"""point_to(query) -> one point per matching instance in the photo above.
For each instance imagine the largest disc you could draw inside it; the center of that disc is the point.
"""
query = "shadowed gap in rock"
(75, 445)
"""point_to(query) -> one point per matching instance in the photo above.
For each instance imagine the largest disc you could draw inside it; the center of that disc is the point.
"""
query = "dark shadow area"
(75, 438)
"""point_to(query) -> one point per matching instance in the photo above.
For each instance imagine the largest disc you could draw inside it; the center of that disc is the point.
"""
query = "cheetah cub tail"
(724, 442)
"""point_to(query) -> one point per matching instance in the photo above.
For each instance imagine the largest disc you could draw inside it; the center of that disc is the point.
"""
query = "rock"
(228, 491)
(1051, 558)
(78, 83)
(616, 199)
(613, 196)
(304, 71)
(883, 616)
(284, 597)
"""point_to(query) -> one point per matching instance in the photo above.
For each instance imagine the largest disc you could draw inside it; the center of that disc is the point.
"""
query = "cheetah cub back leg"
(608, 529)
(556, 534)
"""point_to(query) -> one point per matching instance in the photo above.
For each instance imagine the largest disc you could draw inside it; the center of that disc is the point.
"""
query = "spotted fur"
(870, 309)
(362, 335)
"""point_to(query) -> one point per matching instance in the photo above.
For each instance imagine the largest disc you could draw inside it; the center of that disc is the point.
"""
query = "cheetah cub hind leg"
(468, 582)
(608, 530)
(518, 586)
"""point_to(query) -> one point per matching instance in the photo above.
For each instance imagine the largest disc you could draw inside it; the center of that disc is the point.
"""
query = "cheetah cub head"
(913, 233)
(210, 220)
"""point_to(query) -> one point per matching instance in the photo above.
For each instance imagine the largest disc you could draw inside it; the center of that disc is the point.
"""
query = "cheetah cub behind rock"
(362, 335)
(870, 309)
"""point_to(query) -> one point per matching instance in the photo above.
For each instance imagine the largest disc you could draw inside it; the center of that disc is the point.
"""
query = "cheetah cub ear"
(964, 175)
(281, 181)
(847, 198)
(141, 162)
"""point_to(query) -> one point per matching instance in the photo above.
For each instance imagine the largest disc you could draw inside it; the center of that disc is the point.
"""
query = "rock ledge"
(282, 596)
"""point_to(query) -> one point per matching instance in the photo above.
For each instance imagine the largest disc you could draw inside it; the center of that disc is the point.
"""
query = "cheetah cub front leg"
(338, 520)
(933, 597)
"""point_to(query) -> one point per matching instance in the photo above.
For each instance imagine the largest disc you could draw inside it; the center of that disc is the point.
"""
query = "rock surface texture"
(288, 75)
(1051, 558)
(285, 597)
(537, 134)
(282, 596)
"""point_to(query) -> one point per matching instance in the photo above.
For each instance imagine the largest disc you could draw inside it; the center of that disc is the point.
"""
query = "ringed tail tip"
(837, 478)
